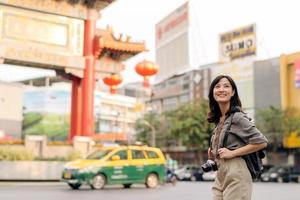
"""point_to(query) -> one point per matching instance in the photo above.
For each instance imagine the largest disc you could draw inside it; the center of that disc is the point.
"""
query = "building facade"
(267, 83)
(177, 41)
(134, 89)
(179, 89)
(275, 84)
(116, 116)
(11, 110)
(275, 79)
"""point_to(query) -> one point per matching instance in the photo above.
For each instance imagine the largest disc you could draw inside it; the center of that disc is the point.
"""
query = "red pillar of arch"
(88, 81)
(76, 105)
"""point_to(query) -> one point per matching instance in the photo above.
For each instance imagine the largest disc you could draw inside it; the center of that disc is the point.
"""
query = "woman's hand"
(226, 153)
(249, 148)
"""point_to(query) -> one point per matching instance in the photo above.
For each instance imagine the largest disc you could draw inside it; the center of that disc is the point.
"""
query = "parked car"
(294, 175)
(189, 173)
(117, 165)
(267, 167)
(276, 174)
(209, 176)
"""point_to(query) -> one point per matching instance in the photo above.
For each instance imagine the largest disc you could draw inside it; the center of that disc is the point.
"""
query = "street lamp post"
(98, 127)
(153, 132)
(116, 125)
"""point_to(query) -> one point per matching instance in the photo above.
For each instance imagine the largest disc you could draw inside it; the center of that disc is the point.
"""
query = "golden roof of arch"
(108, 42)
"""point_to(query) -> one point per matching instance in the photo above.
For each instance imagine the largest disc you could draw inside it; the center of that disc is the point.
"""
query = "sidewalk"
(30, 183)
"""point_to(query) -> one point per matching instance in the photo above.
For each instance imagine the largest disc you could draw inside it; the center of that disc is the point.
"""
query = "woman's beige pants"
(233, 180)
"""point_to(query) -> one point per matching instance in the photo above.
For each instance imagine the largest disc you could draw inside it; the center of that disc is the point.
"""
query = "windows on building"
(184, 98)
(169, 103)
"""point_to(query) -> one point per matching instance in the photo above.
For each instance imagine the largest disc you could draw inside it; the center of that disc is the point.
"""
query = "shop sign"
(292, 141)
(176, 22)
(297, 73)
(238, 43)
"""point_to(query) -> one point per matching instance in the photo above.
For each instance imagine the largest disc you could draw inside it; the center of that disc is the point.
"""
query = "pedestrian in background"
(171, 164)
(233, 180)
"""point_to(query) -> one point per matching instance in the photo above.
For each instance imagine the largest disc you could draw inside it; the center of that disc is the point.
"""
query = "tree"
(144, 127)
(276, 124)
(270, 123)
(186, 125)
(291, 121)
(189, 126)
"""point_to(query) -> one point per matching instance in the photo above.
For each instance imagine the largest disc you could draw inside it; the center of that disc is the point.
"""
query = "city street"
(183, 190)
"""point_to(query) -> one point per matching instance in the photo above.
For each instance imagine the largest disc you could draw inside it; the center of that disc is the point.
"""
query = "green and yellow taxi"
(117, 165)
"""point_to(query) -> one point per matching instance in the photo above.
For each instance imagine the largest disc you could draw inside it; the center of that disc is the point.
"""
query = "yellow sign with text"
(292, 141)
(237, 43)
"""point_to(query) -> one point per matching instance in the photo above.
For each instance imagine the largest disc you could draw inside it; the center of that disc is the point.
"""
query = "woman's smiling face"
(223, 91)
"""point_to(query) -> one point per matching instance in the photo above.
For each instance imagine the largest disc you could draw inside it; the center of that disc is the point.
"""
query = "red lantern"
(113, 81)
(146, 69)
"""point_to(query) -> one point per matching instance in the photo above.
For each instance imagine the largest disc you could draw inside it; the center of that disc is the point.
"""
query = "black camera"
(209, 166)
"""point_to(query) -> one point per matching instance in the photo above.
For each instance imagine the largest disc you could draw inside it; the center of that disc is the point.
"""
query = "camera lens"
(206, 167)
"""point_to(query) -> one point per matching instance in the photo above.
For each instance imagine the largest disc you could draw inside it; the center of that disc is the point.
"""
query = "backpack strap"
(227, 131)
(261, 153)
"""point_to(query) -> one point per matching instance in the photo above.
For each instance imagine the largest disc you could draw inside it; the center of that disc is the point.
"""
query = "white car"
(183, 173)
(209, 176)
(189, 173)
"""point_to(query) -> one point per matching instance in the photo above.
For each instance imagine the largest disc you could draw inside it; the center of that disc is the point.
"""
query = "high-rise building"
(177, 42)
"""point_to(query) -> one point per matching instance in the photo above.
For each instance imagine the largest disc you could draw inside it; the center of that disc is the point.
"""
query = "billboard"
(238, 43)
(47, 112)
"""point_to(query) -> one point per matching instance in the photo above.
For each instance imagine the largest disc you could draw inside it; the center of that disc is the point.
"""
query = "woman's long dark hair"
(235, 102)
